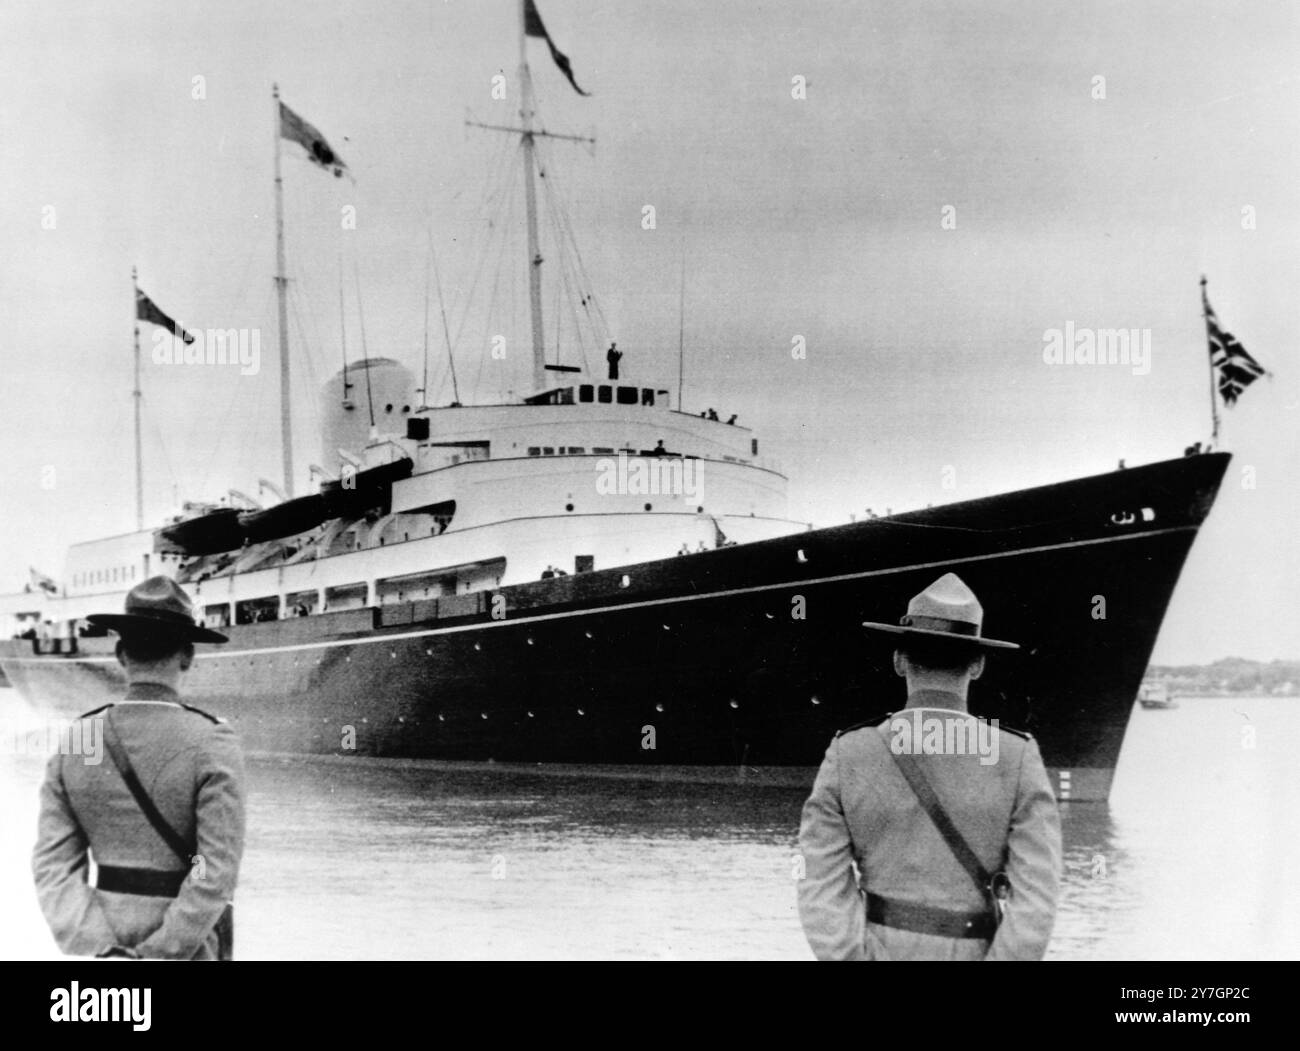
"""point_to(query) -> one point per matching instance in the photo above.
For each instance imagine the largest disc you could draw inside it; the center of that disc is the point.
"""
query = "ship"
(588, 575)
(1156, 695)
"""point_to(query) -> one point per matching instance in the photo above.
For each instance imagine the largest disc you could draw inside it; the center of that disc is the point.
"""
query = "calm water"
(1196, 856)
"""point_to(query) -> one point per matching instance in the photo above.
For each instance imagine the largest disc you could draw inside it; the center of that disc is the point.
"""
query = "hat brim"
(130, 624)
(971, 641)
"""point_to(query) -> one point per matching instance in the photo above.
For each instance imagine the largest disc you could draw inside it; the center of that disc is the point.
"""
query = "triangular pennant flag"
(147, 310)
(533, 27)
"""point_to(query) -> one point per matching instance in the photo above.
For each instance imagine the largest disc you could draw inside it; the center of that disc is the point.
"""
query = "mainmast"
(281, 290)
(529, 135)
(530, 194)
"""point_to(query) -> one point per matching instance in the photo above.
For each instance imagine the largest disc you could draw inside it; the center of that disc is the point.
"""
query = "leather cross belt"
(926, 919)
(151, 883)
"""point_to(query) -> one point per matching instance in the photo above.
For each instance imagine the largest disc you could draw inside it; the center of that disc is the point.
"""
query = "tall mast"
(281, 290)
(529, 136)
(530, 194)
(136, 396)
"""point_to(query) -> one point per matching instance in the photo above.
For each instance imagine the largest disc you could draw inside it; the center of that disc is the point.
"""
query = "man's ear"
(187, 656)
(900, 664)
(977, 667)
(120, 650)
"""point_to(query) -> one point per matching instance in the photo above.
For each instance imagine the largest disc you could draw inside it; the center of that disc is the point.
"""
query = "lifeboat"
(353, 496)
(206, 534)
(287, 519)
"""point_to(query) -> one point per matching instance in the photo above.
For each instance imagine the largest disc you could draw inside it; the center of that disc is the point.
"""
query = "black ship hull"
(746, 657)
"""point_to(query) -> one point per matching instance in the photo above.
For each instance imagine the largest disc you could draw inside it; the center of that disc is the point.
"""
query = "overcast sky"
(819, 217)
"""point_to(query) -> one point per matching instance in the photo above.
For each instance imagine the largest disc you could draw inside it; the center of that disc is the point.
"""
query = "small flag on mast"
(533, 27)
(1234, 368)
(147, 310)
(319, 152)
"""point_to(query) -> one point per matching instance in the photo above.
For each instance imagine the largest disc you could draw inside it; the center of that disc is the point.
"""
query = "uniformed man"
(163, 881)
(884, 880)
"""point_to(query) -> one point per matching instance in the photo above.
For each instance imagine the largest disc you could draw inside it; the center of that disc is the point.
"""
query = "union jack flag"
(1234, 368)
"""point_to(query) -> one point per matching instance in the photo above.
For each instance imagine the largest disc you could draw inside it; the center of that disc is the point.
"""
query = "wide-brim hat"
(157, 607)
(946, 612)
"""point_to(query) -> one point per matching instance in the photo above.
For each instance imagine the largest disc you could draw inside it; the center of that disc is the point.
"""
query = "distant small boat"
(1155, 695)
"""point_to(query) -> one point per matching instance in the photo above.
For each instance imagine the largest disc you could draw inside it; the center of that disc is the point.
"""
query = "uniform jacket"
(864, 829)
(191, 766)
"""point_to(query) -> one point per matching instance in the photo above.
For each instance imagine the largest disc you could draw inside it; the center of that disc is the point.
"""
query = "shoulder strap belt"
(930, 802)
(117, 753)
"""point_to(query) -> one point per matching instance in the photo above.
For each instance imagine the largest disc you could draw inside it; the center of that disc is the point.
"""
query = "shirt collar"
(936, 699)
(156, 692)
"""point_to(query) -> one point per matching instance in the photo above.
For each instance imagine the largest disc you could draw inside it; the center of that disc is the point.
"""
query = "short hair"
(940, 655)
(152, 648)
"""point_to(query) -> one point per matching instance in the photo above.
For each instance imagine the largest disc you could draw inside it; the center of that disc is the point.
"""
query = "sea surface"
(1196, 856)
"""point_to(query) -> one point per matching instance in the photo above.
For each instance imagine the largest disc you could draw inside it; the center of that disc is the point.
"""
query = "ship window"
(257, 610)
(627, 395)
(647, 396)
(586, 392)
(548, 450)
(753, 446)
(534, 450)
(604, 394)
(565, 396)
(601, 450)
(576, 450)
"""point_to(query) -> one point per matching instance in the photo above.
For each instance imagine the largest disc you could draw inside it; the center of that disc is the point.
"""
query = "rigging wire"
(310, 364)
(365, 351)
(568, 243)
(497, 196)
(343, 328)
(442, 307)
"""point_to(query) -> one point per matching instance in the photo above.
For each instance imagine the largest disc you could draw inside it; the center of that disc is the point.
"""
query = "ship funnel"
(345, 406)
